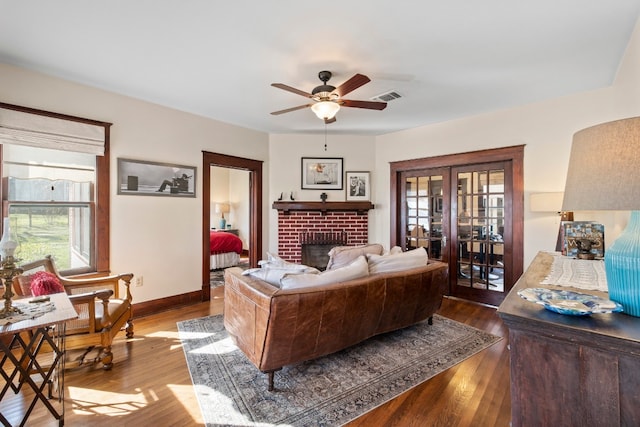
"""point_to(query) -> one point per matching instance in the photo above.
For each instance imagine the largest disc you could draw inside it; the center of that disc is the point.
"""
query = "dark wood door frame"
(515, 154)
(254, 167)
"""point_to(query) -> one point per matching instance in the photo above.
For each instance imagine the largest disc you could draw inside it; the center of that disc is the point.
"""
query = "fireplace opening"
(315, 247)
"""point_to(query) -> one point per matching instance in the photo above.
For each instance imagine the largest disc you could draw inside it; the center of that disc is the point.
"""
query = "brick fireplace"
(296, 219)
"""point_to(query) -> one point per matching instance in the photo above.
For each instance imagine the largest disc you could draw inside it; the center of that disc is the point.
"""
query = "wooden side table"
(18, 366)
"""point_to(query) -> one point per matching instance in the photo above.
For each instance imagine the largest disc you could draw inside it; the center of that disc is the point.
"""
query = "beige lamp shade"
(546, 202)
(223, 208)
(604, 168)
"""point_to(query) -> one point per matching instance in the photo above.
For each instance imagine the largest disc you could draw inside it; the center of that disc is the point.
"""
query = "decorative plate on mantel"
(569, 302)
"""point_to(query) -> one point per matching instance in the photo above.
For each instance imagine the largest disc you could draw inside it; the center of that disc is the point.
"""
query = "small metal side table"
(17, 366)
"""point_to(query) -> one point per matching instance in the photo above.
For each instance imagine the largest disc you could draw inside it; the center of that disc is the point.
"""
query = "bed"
(225, 249)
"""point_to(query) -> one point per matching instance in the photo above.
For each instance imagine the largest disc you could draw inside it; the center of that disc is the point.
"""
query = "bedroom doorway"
(238, 169)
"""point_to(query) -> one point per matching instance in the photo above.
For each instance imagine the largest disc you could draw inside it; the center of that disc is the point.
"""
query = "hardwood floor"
(150, 383)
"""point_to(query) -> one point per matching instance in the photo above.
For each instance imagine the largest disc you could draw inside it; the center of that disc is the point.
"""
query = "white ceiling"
(448, 59)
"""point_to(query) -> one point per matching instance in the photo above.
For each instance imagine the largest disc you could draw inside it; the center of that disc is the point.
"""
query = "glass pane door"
(480, 220)
(425, 206)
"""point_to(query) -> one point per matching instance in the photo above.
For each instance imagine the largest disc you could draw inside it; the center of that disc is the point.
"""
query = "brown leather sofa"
(277, 327)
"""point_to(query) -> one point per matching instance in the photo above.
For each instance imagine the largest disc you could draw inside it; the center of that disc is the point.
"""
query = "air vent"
(387, 96)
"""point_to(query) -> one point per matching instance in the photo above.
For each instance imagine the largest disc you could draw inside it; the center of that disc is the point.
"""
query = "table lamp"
(604, 174)
(222, 208)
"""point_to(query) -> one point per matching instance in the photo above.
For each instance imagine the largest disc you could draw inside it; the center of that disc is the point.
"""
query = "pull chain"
(325, 136)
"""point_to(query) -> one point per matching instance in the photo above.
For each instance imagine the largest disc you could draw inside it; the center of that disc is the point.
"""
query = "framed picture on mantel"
(322, 173)
(358, 186)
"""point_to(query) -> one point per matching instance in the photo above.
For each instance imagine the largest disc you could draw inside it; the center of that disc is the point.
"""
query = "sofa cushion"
(357, 269)
(273, 275)
(394, 250)
(273, 268)
(340, 256)
(397, 262)
(276, 261)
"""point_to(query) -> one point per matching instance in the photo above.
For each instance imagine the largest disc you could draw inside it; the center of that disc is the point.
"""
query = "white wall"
(158, 238)
(239, 199)
(219, 193)
(285, 153)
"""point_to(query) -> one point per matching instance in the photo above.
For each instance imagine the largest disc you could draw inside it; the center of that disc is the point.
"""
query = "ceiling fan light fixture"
(325, 110)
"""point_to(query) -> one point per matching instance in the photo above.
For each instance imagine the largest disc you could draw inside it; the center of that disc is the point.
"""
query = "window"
(50, 204)
(55, 187)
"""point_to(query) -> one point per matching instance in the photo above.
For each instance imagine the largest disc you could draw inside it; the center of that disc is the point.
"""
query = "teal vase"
(622, 266)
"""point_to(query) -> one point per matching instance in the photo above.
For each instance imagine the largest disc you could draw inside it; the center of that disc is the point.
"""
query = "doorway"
(465, 210)
(254, 167)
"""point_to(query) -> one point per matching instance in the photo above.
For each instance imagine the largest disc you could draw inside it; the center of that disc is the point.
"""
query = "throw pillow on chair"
(45, 283)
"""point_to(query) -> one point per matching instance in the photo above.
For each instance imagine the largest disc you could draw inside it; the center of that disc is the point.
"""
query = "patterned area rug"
(329, 391)
(216, 277)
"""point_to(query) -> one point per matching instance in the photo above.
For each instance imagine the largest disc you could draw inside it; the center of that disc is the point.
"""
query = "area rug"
(329, 391)
(216, 277)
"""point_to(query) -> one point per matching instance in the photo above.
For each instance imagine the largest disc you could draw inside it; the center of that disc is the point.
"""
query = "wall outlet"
(137, 280)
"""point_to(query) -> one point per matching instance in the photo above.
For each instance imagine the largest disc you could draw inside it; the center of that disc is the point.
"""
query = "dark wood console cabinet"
(570, 370)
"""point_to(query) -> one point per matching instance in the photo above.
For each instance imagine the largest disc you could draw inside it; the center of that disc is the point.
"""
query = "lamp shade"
(325, 109)
(604, 172)
(604, 168)
(8, 244)
(223, 208)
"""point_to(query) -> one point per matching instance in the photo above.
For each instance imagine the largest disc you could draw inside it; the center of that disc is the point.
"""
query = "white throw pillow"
(340, 256)
(357, 269)
(394, 250)
(397, 262)
(273, 268)
(276, 261)
(272, 275)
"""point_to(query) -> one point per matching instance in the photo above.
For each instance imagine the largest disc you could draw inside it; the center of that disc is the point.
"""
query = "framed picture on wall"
(321, 173)
(358, 185)
(142, 178)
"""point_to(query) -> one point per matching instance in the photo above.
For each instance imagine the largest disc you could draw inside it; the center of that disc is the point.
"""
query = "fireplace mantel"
(360, 207)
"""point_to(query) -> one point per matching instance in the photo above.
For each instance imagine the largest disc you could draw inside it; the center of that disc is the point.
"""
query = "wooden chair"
(101, 311)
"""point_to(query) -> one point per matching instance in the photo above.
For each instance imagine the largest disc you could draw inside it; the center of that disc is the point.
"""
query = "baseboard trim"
(147, 308)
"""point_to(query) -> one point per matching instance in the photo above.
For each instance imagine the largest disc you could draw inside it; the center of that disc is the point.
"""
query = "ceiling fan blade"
(352, 84)
(370, 105)
(292, 89)
(288, 110)
(331, 120)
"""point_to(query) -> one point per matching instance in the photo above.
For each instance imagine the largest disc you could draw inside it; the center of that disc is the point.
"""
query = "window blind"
(43, 131)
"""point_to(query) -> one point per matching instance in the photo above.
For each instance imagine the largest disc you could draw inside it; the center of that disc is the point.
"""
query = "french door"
(425, 224)
(467, 215)
(482, 231)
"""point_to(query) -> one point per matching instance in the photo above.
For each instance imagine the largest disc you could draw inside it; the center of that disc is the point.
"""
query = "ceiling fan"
(328, 99)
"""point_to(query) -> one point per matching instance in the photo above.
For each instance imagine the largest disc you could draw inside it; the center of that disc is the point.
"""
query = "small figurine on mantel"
(323, 197)
(291, 196)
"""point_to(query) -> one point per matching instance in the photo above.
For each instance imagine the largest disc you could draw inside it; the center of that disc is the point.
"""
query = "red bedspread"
(221, 242)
